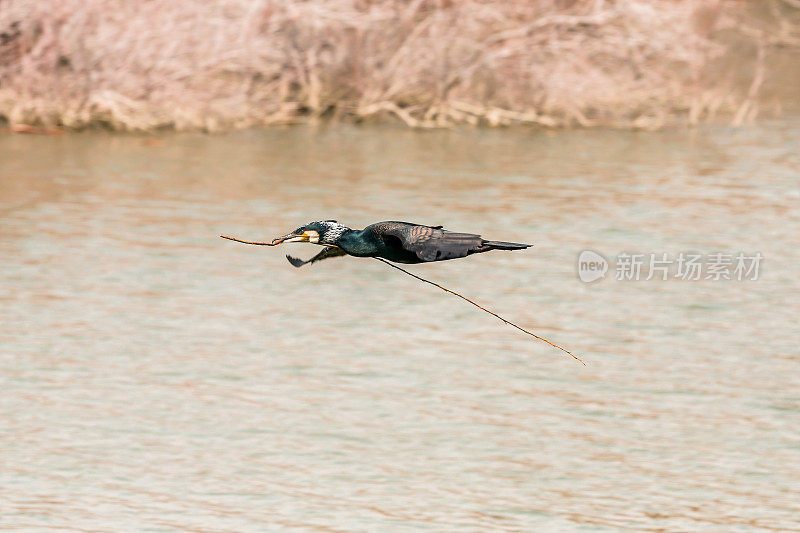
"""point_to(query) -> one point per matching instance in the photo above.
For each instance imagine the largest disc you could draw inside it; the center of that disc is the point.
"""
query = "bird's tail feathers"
(500, 245)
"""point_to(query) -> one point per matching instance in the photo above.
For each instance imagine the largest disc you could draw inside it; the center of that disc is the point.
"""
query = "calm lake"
(154, 377)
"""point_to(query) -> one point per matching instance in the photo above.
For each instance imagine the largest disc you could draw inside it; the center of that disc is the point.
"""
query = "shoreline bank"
(642, 64)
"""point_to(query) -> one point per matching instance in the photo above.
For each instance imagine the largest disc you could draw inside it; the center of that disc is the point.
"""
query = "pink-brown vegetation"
(201, 64)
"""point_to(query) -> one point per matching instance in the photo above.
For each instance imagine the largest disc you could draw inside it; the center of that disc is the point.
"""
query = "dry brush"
(211, 65)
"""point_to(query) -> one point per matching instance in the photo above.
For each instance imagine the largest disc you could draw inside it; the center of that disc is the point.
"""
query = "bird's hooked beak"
(306, 236)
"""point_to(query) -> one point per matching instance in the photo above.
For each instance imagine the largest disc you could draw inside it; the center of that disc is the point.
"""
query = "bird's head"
(322, 232)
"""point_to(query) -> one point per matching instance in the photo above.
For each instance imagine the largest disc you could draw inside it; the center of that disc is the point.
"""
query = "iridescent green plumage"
(400, 242)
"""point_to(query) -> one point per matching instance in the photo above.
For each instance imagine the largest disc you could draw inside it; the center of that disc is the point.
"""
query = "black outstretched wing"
(327, 253)
(432, 243)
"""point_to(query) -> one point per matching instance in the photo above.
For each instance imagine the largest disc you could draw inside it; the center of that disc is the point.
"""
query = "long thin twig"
(249, 242)
(482, 308)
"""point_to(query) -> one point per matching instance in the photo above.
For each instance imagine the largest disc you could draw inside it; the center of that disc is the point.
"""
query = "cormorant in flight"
(400, 242)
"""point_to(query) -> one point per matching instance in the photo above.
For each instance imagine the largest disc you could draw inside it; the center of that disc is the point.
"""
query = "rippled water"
(155, 377)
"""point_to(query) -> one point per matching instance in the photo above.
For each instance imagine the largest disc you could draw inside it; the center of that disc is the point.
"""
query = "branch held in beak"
(307, 236)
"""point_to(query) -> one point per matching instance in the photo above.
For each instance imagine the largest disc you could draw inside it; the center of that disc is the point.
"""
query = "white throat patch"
(313, 236)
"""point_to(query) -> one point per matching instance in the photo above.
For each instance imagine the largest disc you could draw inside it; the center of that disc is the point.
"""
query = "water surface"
(154, 377)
